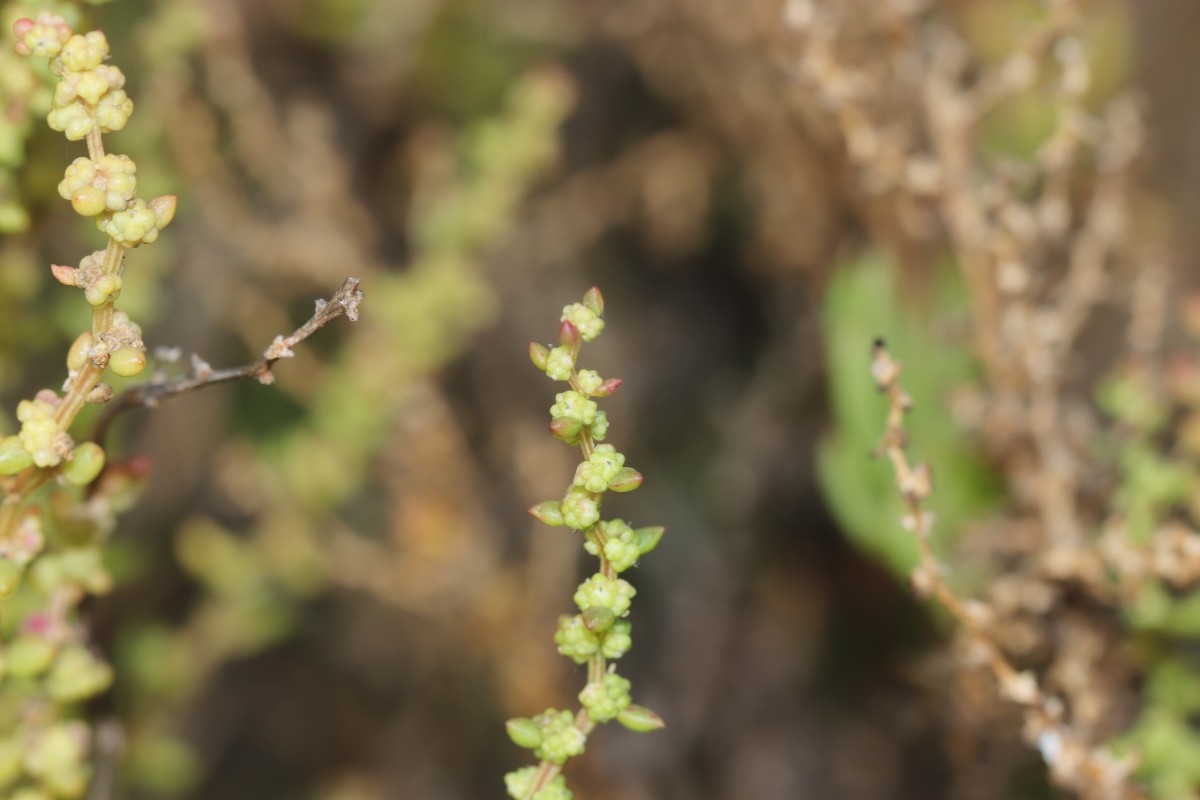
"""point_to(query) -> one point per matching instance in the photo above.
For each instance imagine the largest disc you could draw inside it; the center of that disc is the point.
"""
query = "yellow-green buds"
(94, 187)
(580, 509)
(560, 738)
(113, 111)
(140, 222)
(524, 732)
(77, 675)
(84, 52)
(598, 632)
(10, 577)
(85, 465)
(601, 591)
(603, 465)
(45, 37)
(77, 356)
(606, 699)
(104, 289)
(40, 434)
(539, 354)
(29, 656)
(583, 319)
(14, 457)
(560, 363)
(640, 719)
(518, 783)
(127, 361)
(548, 512)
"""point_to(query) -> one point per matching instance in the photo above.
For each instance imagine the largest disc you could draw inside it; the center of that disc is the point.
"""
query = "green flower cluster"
(48, 665)
(598, 633)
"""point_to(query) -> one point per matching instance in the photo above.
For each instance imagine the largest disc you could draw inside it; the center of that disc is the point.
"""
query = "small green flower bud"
(14, 457)
(78, 675)
(589, 381)
(608, 387)
(620, 545)
(10, 578)
(580, 509)
(539, 355)
(566, 430)
(60, 748)
(77, 355)
(163, 207)
(584, 320)
(88, 201)
(127, 361)
(104, 289)
(601, 591)
(45, 37)
(548, 512)
(602, 466)
(617, 639)
(112, 112)
(649, 537)
(28, 656)
(594, 301)
(574, 640)
(524, 732)
(518, 782)
(640, 719)
(606, 699)
(625, 480)
(599, 428)
(84, 52)
(572, 405)
(560, 738)
(598, 620)
(568, 336)
(11, 756)
(560, 364)
(63, 274)
(86, 463)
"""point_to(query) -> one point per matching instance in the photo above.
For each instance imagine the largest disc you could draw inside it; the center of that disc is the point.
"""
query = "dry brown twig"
(1093, 771)
(345, 301)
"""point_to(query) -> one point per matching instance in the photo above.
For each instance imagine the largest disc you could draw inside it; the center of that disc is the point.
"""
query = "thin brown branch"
(345, 301)
(1075, 764)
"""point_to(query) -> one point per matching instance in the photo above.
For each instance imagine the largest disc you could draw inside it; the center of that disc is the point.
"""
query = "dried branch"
(1074, 764)
(345, 301)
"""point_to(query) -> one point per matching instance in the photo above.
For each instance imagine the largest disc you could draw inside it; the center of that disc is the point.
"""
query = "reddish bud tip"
(548, 513)
(64, 275)
(539, 355)
(640, 719)
(566, 430)
(594, 301)
(568, 334)
(608, 387)
(626, 480)
(598, 619)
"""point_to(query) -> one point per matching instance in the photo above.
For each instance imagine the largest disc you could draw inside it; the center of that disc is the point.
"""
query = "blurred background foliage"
(330, 588)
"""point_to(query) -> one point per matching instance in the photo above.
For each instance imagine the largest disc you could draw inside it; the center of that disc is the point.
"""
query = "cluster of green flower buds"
(48, 666)
(599, 632)
(88, 99)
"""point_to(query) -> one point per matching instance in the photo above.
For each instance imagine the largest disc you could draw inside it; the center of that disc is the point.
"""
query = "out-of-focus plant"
(60, 500)
(599, 633)
(997, 134)
(859, 304)
(256, 581)
(50, 532)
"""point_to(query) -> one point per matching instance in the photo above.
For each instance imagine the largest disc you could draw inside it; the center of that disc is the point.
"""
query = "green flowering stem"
(598, 633)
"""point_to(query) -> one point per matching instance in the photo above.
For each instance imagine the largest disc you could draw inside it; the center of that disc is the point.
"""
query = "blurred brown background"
(390, 603)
